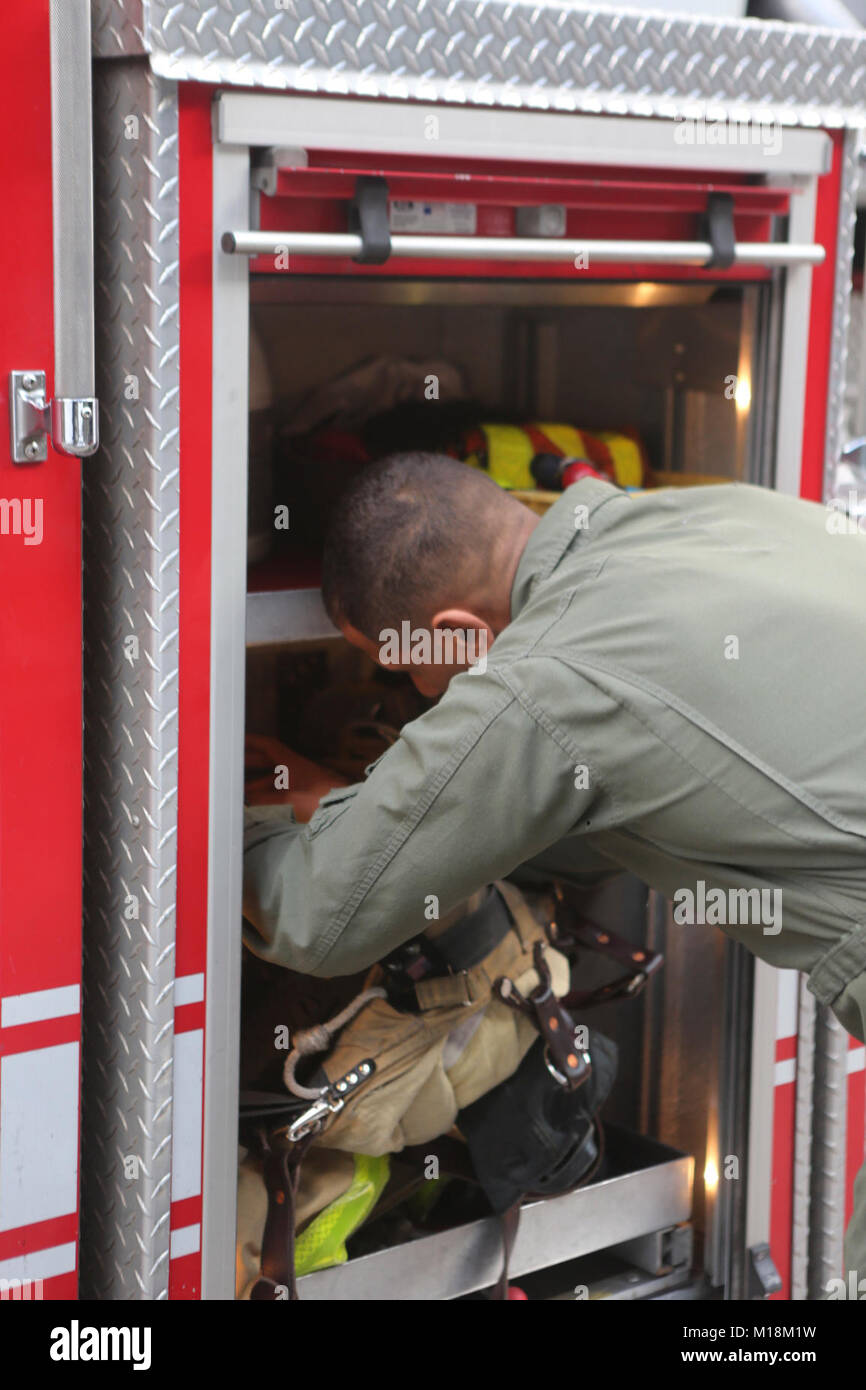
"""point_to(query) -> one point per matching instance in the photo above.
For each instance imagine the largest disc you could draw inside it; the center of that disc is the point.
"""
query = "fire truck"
(216, 209)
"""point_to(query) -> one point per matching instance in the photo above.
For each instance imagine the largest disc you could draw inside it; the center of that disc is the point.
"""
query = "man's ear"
(460, 618)
(463, 620)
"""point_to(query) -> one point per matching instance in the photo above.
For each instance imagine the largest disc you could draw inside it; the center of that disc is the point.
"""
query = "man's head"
(425, 541)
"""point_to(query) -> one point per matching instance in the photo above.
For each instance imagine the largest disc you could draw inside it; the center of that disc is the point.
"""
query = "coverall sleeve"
(471, 789)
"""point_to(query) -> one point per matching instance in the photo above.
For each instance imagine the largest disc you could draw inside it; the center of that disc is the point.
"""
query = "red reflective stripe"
(540, 442)
(186, 1212)
(188, 1017)
(39, 1235)
(32, 1037)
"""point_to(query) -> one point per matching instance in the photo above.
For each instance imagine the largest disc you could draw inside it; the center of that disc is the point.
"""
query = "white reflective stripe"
(40, 1264)
(856, 1060)
(188, 989)
(785, 1071)
(38, 1135)
(186, 1240)
(787, 1003)
(186, 1115)
(16, 1009)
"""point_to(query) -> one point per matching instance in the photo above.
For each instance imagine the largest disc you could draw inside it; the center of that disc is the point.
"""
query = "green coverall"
(680, 693)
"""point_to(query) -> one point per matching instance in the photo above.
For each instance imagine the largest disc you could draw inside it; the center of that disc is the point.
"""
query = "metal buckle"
(557, 1075)
(330, 1102)
(311, 1119)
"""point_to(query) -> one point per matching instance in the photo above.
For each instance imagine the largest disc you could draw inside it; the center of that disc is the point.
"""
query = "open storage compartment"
(647, 356)
(695, 361)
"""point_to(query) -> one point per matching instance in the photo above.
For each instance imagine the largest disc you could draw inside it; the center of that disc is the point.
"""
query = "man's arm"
(471, 789)
(307, 781)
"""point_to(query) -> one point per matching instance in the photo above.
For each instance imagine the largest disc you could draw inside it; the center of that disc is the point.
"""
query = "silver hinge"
(73, 425)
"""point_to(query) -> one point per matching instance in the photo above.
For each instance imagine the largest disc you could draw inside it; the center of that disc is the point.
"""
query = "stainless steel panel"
(469, 1257)
(562, 138)
(72, 200)
(229, 407)
(287, 615)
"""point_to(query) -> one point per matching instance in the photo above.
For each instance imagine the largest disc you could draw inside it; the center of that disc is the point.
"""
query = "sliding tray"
(649, 1189)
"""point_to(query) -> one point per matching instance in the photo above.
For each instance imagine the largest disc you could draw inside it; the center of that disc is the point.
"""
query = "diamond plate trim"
(803, 1105)
(835, 429)
(492, 53)
(119, 27)
(130, 508)
(830, 1102)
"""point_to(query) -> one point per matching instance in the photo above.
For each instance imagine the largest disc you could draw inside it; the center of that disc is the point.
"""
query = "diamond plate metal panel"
(514, 54)
(835, 435)
(830, 1098)
(130, 506)
(118, 27)
(803, 1106)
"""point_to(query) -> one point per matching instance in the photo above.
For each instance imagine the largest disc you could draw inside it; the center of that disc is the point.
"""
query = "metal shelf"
(653, 1191)
(281, 617)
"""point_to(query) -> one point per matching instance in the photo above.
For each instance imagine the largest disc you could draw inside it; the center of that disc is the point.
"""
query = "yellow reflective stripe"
(566, 438)
(627, 463)
(323, 1243)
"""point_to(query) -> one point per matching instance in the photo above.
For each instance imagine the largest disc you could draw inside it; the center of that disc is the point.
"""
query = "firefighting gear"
(404, 1059)
(557, 472)
(507, 452)
(459, 1042)
(336, 1193)
(532, 1137)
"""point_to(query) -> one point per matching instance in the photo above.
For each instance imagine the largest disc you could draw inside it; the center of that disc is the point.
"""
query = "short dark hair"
(402, 539)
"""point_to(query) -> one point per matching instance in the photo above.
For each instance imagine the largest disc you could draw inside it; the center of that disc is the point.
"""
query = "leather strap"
(454, 1160)
(570, 931)
(524, 923)
(265, 1105)
(468, 986)
(474, 936)
(570, 1065)
(509, 1221)
(445, 991)
(282, 1166)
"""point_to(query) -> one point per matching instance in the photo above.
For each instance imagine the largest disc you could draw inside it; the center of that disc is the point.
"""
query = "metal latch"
(73, 424)
(762, 1275)
(331, 1101)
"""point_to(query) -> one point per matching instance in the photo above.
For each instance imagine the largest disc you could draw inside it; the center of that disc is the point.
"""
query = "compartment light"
(743, 393)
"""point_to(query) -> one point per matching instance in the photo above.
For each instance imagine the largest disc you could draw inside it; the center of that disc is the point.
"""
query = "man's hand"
(269, 764)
